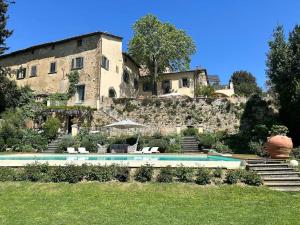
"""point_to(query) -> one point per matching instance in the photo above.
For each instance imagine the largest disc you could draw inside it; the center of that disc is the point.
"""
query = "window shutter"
(107, 64)
(81, 64)
(180, 83)
(189, 82)
(24, 72)
(73, 64)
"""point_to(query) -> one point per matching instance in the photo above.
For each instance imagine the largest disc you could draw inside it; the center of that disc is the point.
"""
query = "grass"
(134, 203)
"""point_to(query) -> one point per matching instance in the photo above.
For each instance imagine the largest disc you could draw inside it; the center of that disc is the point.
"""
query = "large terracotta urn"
(279, 146)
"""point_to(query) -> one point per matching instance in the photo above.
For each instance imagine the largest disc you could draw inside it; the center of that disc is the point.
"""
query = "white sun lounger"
(145, 150)
(82, 150)
(71, 150)
(154, 150)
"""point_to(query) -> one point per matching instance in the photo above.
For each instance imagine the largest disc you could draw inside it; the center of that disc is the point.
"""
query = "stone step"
(269, 165)
(283, 169)
(278, 173)
(270, 179)
(250, 162)
(280, 182)
(286, 188)
(283, 184)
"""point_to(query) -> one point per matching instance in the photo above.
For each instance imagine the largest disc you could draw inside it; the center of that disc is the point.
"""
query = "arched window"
(136, 84)
(126, 77)
(112, 93)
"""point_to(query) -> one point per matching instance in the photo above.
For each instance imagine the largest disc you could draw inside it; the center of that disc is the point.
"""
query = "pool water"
(118, 157)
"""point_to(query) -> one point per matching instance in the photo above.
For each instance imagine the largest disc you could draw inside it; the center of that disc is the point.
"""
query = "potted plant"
(278, 145)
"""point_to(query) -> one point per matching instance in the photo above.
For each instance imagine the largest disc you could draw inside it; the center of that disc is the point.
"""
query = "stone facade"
(171, 115)
(97, 79)
(183, 83)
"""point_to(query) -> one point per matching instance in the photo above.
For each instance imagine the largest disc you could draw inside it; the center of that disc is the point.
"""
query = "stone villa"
(105, 71)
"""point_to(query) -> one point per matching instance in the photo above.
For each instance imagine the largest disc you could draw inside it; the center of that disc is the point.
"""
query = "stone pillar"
(200, 130)
(74, 130)
(178, 129)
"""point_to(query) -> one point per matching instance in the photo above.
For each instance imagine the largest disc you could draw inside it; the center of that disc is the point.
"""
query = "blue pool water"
(118, 157)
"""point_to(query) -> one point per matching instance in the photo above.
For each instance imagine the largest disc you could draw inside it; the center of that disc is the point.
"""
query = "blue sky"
(229, 34)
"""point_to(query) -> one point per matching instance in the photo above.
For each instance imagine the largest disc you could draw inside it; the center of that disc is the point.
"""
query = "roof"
(129, 56)
(59, 42)
(179, 72)
(213, 78)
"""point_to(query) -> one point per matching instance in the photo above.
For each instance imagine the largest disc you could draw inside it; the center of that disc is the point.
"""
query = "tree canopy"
(283, 71)
(4, 32)
(244, 83)
(159, 46)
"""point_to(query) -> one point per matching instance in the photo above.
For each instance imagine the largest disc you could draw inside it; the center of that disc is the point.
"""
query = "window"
(184, 82)
(117, 69)
(126, 77)
(33, 72)
(21, 73)
(136, 84)
(166, 86)
(53, 67)
(77, 63)
(79, 42)
(147, 86)
(112, 93)
(52, 47)
(105, 62)
(80, 93)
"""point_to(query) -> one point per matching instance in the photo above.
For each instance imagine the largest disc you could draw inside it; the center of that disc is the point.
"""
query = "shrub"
(11, 142)
(165, 175)
(100, 173)
(207, 140)
(122, 174)
(190, 132)
(31, 141)
(174, 143)
(90, 141)
(66, 141)
(2, 145)
(203, 176)
(218, 173)
(162, 144)
(252, 178)
(7, 174)
(144, 173)
(279, 130)
(69, 173)
(51, 128)
(36, 172)
(257, 148)
(222, 148)
(296, 153)
(233, 176)
(184, 174)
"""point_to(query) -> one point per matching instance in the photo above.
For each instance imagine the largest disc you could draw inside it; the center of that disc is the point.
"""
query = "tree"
(244, 83)
(159, 46)
(4, 32)
(283, 71)
(206, 91)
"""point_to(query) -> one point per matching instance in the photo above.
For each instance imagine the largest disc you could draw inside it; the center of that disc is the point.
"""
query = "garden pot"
(279, 147)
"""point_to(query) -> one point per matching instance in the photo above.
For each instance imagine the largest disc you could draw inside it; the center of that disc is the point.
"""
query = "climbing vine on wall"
(73, 80)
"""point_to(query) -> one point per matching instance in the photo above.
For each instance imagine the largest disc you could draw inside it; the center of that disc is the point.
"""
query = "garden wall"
(173, 115)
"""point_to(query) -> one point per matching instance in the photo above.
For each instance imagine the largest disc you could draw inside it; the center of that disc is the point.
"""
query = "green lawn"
(134, 203)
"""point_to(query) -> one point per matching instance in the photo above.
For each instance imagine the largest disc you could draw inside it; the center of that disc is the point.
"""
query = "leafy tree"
(159, 46)
(244, 83)
(206, 91)
(4, 32)
(8, 93)
(283, 70)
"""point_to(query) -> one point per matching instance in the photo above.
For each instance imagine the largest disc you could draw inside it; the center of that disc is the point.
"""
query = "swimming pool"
(118, 157)
(157, 160)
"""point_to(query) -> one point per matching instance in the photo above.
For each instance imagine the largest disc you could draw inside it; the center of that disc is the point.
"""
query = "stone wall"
(171, 115)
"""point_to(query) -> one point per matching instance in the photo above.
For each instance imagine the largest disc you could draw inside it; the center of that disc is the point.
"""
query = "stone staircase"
(189, 144)
(53, 145)
(276, 174)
